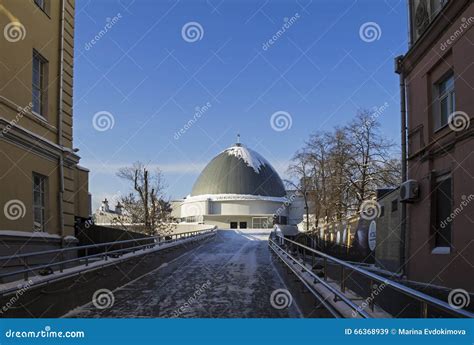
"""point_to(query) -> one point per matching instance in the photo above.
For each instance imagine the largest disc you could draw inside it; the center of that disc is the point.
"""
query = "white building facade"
(239, 189)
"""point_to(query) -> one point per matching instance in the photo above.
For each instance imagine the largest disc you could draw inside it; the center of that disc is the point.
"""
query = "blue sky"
(150, 80)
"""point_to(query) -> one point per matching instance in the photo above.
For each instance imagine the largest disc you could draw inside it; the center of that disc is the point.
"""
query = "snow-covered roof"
(239, 170)
(250, 157)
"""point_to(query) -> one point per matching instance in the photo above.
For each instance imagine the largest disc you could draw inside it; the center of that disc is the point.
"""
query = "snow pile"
(250, 157)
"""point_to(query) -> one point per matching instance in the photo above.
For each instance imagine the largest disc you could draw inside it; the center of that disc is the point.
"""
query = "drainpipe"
(60, 124)
(403, 129)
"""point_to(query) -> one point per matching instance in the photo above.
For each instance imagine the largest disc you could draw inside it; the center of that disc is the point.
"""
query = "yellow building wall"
(17, 184)
(39, 31)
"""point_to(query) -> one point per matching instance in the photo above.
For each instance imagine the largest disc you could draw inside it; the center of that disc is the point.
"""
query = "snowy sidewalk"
(231, 275)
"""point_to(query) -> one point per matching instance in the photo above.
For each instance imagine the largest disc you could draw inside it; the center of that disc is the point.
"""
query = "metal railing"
(108, 250)
(303, 251)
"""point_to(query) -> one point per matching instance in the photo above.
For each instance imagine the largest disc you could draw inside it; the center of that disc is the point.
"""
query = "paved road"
(231, 275)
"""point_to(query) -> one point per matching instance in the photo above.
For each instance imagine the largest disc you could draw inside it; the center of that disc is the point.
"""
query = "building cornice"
(25, 111)
(233, 197)
(26, 139)
(441, 145)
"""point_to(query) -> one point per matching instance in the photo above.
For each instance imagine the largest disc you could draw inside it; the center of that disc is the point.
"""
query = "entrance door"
(243, 225)
(233, 225)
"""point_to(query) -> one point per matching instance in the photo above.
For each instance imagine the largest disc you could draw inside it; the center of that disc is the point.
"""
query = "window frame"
(434, 7)
(43, 206)
(394, 205)
(44, 8)
(42, 85)
(448, 94)
(437, 180)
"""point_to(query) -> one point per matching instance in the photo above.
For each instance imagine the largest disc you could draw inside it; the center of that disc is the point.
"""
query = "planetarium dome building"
(237, 189)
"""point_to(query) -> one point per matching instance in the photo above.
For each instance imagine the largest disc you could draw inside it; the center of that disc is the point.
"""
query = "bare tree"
(371, 164)
(344, 167)
(300, 170)
(339, 155)
(318, 148)
(146, 205)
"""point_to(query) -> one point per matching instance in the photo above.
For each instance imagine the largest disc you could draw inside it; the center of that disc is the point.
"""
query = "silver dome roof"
(239, 170)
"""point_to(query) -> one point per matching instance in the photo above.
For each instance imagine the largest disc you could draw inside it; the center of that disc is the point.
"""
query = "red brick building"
(439, 79)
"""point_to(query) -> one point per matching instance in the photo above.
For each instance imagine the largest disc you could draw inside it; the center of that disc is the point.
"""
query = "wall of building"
(223, 222)
(388, 242)
(81, 195)
(31, 142)
(232, 207)
(246, 207)
(16, 184)
(433, 152)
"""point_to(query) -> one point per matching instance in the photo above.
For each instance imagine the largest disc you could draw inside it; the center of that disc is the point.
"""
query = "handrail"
(151, 243)
(340, 295)
(420, 296)
(98, 245)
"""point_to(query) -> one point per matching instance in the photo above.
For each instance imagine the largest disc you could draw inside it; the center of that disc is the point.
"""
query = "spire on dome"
(238, 140)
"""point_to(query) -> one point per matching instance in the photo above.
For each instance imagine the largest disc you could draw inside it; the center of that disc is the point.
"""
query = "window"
(422, 13)
(445, 102)
(41, 4)
(442, 209)
(282, 220)
(394, 205)
(39, 201)
(260, 222)
(39, 84)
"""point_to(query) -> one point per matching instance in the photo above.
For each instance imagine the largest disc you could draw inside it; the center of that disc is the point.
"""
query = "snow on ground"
(231, 275)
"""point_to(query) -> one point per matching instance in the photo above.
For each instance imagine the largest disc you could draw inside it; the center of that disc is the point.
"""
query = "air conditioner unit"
(409, 191)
